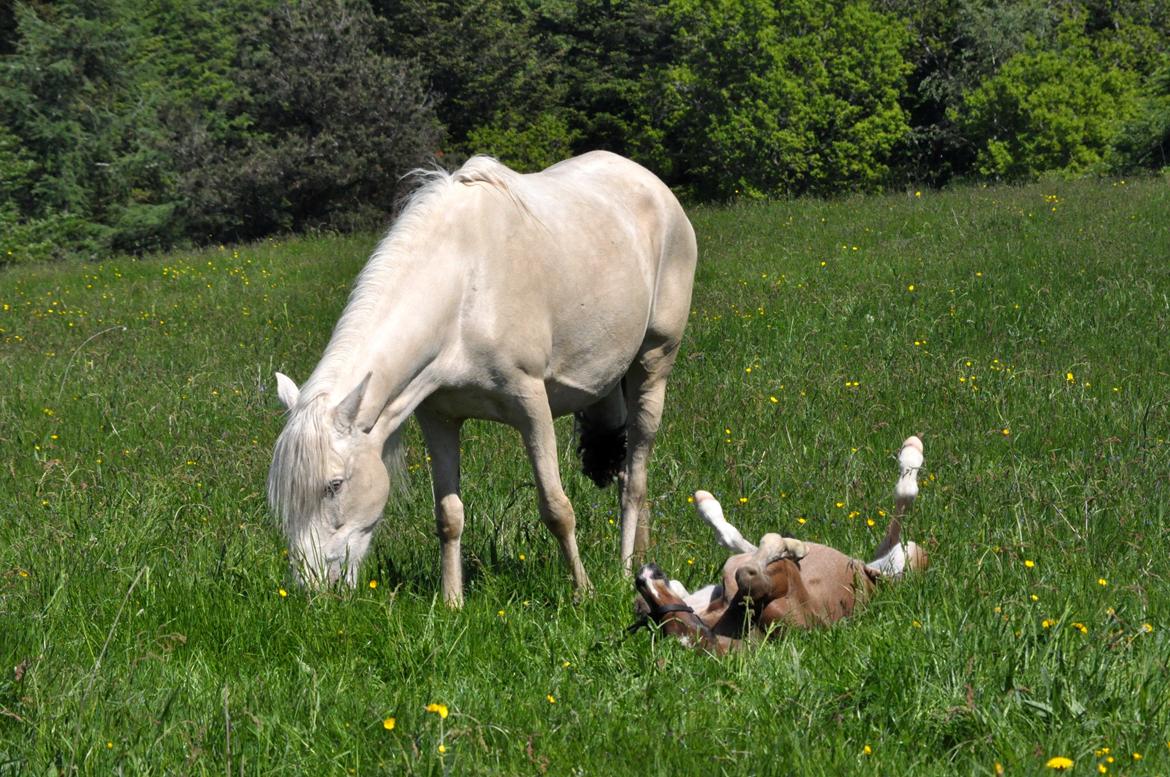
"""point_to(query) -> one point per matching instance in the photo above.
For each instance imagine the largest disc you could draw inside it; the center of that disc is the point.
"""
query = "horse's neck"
(393, 329)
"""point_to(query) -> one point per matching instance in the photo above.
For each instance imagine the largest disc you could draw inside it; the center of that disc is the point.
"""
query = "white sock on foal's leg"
(728, 536)
(900, 555)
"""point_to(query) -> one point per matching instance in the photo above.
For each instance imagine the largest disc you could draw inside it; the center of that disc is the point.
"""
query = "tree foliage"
(131, 125)
(766, 97)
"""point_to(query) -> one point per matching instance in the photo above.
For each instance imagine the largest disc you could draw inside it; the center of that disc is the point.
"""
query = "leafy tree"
(1144, 142)
(1049, 110)
(324, 128)
(68, 93)
(777, 98)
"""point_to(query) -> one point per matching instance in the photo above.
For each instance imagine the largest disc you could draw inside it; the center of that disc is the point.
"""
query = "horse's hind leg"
(536, 427)
(645, 395)
(442, 439)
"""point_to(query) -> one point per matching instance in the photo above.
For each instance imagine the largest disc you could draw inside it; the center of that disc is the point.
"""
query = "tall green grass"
(148, 624)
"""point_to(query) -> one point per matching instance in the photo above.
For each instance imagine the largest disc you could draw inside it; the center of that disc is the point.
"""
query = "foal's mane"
(300, 460)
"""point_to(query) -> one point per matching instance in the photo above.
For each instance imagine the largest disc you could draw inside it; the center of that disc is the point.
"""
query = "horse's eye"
(333, 487)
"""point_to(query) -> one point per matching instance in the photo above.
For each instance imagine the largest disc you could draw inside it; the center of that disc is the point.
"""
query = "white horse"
(513, 298)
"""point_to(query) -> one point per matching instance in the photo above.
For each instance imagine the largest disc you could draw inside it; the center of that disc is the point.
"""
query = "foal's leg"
(646, 392)
(442, 439)
(709, 509)
(536, 427)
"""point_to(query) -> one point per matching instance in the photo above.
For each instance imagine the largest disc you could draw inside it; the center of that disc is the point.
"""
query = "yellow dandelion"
(1102, 581)
(1006, 432)
(840, 505)
(442, 748)
(283, 593)
(566, 664)
(1148, 628)
(801, 521)
(1047, 623)
(1029, 563)
(1070, 378)
(743, 500)
(389, 724)
(439, 709)
(1082, 628)
(1034, 597)
(521, 557)
(867, 750)
(1137, 756)
(501, 614)
(910, 287)
(1059, 762)
(373, 584)
(109, 745)
(773, 400)
(551, 699)
(1102, 768)
(869, 522)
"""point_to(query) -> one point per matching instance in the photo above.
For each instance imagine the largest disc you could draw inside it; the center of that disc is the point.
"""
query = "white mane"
(300, 460)
(299, 466)
(415, 218)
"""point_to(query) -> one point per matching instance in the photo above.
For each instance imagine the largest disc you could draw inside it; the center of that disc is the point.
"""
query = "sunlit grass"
(147, 621)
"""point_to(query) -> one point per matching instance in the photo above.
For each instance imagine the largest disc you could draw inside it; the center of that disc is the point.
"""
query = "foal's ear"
(286, 390)
(347, 410)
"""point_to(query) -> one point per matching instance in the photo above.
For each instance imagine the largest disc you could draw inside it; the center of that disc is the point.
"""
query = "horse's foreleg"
(646, 392)
(540, 441)
(442, 439)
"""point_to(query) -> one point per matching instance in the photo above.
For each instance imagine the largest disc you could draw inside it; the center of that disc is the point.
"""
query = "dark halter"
(657, 612)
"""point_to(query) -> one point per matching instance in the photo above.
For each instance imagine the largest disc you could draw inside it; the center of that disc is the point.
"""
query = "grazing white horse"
(513, 298)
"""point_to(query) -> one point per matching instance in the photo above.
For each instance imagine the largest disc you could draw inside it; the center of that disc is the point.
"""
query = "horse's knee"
(557, 514)
(449, 519)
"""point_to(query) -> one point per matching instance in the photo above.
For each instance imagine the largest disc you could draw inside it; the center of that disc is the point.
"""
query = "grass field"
(148, 623)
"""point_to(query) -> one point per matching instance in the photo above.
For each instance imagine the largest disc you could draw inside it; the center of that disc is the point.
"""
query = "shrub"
(331, 127)
(1049, 110)
(777, 98)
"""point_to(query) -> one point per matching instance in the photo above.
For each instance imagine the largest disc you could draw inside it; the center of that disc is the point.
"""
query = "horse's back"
(574, 266)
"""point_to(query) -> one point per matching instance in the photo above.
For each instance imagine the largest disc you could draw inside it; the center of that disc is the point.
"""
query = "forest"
(129, 126)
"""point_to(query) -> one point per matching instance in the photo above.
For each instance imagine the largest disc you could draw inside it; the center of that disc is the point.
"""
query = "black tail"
(602, 450)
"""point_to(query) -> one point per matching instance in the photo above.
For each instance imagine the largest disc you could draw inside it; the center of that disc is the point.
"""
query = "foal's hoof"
(773, 547)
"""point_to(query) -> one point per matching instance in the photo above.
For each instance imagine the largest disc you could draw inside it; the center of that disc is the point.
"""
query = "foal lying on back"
(783, 581)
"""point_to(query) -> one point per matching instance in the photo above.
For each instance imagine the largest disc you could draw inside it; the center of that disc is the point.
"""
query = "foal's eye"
(333, 487)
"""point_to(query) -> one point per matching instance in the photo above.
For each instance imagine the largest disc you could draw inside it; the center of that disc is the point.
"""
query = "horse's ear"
(286, 390)
(347, 410)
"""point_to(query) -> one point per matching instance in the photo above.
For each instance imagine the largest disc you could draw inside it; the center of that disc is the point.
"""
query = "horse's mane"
(300, 459)
(299, 462)
(433, 187)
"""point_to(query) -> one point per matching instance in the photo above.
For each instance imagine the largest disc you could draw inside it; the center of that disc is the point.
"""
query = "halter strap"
(658, 612)
(669, 608)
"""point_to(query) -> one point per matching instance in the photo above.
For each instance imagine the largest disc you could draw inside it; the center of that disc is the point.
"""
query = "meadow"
(148, 623)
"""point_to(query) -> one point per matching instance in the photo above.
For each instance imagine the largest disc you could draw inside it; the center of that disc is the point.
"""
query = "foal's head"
(327, 484)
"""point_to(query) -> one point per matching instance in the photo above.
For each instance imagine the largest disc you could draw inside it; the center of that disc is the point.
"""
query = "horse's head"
(327, 484)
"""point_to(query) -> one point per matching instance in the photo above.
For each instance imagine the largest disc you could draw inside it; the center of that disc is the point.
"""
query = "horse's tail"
(601, 438)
